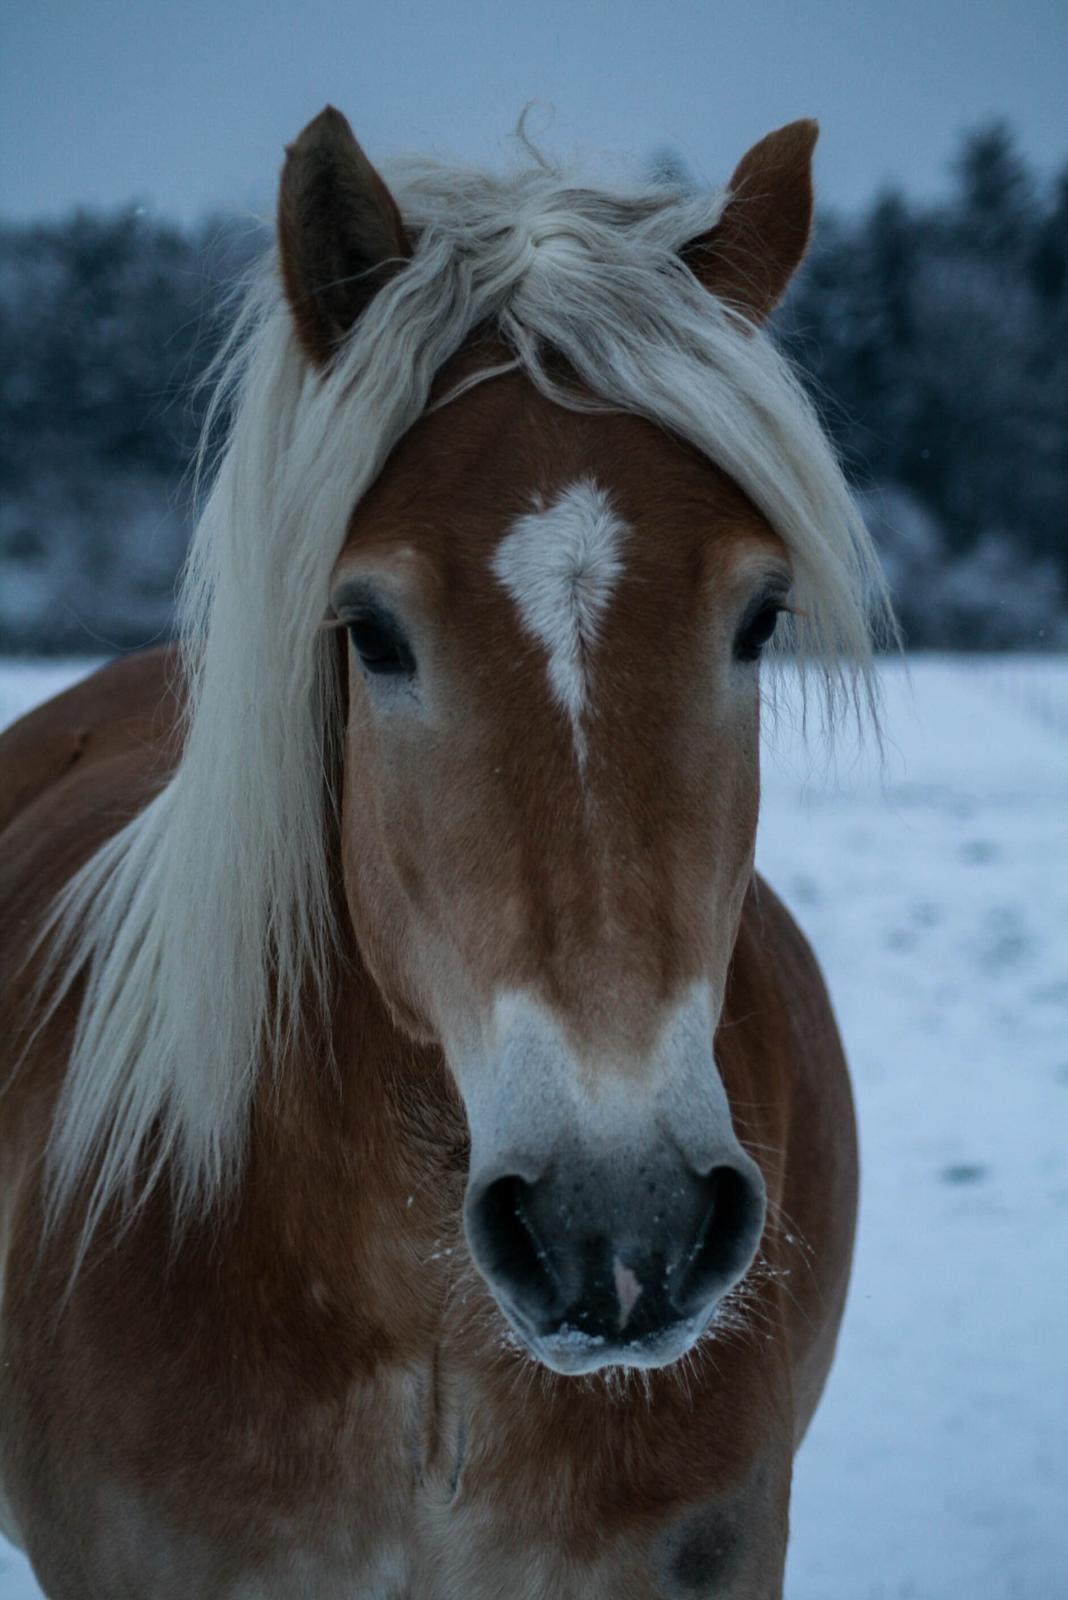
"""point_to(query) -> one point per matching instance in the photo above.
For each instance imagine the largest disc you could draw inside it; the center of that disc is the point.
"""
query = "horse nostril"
(727, 1238)
(617, 1270)
(506, 1245)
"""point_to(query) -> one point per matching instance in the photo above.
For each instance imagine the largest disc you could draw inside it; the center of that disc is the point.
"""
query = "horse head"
(554, 610)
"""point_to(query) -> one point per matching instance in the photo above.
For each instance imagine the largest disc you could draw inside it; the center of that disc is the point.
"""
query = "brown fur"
(538, 907)
(317, 1351)
(310, 1392)
(339, 229)
(757, 245)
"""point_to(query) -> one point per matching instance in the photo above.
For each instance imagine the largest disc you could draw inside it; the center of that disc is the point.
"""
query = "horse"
(428, 1157)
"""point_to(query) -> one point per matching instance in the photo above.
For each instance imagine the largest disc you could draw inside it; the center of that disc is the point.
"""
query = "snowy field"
(935, 891)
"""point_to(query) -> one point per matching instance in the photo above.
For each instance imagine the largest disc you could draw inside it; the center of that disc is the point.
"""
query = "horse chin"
(571, 1353)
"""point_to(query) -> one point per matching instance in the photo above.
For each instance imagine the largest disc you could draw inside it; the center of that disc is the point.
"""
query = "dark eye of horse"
(756, 630)
(381, 646)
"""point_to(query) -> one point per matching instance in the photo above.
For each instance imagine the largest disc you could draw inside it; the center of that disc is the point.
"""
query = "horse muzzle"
(600, 1263)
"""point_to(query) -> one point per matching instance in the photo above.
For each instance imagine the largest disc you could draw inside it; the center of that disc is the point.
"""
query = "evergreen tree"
(934, 338)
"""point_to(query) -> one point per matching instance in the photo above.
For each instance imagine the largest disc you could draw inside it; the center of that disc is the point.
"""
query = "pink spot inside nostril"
(627, 1289)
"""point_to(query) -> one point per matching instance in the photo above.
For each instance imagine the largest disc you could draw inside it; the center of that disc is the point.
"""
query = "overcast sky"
(186, 107)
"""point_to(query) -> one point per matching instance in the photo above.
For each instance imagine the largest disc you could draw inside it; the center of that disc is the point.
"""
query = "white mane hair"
(203, 926)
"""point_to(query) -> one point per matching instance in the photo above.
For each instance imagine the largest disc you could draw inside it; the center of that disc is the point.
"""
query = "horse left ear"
(754, 249)
(340, 234)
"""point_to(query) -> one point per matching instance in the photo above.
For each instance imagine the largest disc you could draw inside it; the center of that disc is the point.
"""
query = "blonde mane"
(205, 924)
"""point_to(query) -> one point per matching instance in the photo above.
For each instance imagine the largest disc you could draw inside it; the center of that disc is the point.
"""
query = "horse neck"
(357, 1149)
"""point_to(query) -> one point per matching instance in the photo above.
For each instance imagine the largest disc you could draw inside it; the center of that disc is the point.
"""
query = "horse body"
(527, 1272)
(297, 1399)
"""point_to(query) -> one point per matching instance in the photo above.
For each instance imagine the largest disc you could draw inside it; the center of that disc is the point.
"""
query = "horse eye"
(381, 646)
(756, 631)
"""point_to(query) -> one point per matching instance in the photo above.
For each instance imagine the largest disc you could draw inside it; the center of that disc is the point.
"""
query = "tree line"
(934, 338)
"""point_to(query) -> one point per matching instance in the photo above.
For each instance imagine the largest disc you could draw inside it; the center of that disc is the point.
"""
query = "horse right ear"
(340, 234)
(756, 246)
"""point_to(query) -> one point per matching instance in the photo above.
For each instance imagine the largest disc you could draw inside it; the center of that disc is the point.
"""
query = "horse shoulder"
(782, 1059)
(71, 773)
(131, 704)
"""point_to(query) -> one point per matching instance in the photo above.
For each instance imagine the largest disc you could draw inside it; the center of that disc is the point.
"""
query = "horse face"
(551, 782)
(550, 802)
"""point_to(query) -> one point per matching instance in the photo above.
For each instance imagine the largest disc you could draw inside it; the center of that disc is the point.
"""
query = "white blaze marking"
(560, 565)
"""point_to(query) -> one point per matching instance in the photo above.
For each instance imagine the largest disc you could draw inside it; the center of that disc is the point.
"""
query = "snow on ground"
(937, 899)
(935, 891)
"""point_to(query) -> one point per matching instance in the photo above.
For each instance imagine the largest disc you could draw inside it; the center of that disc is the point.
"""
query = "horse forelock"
(207, 923)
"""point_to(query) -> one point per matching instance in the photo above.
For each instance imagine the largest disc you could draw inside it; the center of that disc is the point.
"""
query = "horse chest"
(439, 1474)
(367, 1508)
(395, 1498)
